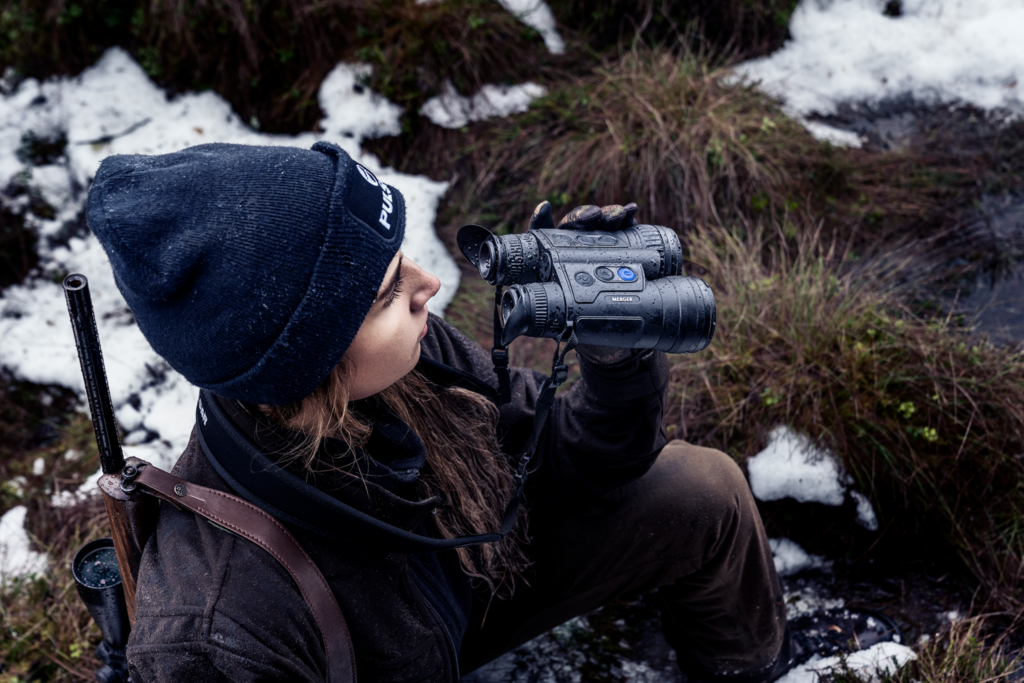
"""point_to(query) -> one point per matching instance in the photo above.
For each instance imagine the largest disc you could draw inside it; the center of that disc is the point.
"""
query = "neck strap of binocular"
(559, 373)
(499, 354)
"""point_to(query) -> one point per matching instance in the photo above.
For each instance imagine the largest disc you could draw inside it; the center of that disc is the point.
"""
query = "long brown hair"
(464, 464)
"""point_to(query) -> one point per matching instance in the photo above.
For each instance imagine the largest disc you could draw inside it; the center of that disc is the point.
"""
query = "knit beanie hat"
(249, 269)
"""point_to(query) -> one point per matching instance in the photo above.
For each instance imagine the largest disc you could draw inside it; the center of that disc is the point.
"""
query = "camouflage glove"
(588, 218)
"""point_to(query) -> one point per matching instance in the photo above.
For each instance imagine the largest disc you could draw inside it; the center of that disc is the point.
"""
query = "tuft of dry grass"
(928, 420)
(964, 655)
(684, 139)
(690, 143)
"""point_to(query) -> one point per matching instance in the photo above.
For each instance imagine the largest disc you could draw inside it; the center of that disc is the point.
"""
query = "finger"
(581, 218)
(542, 218)
(630, 218)
(611, 216)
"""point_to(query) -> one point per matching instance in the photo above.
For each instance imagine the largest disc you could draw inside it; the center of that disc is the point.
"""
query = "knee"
(705, 482)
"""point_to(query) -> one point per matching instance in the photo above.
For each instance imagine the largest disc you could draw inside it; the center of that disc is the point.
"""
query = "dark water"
(980, 234)
(991, 299)
(99, 569)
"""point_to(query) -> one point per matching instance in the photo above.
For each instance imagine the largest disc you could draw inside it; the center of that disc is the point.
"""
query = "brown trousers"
(689, 528)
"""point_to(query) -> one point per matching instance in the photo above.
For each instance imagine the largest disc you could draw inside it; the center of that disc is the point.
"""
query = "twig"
(104, 139)
(966, 433)
(77, 674)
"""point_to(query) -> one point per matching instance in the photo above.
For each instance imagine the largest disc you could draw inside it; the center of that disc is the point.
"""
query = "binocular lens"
(487, 260)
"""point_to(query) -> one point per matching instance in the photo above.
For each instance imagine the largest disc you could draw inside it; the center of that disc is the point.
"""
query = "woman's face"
(387, 345)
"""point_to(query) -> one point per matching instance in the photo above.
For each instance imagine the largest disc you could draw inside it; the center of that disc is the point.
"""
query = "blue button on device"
(627, 274)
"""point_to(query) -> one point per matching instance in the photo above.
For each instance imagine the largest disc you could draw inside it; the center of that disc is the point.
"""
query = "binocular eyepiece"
(621, 288)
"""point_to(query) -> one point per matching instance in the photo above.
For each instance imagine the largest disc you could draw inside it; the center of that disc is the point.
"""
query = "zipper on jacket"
(444, 629)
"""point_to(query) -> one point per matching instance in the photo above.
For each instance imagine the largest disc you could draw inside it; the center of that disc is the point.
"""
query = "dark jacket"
(213, 606)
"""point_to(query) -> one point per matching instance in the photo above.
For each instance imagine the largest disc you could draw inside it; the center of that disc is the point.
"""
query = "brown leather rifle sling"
(248, 521)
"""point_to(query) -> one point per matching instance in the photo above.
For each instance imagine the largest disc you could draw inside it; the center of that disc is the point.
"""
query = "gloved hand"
(590, 217)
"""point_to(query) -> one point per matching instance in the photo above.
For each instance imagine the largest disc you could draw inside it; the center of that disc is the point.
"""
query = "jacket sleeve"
(602, 434)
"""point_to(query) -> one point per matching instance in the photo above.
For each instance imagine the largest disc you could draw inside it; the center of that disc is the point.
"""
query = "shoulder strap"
(247, 520)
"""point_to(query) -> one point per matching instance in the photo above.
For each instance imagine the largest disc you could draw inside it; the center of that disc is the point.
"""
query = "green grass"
(928, 419)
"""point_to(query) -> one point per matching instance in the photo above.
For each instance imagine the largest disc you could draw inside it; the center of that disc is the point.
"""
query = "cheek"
(389, 338)
(384, 353)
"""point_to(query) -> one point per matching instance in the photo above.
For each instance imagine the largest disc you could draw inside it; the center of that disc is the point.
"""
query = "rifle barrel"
(87, 340)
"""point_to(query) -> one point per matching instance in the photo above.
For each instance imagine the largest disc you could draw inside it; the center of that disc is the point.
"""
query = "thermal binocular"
(621, 288)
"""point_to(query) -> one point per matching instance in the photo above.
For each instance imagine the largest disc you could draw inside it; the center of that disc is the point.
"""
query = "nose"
(427, 285)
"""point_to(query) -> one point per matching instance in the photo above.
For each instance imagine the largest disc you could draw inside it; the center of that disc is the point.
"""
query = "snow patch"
(791, 467)
(808, 599)
(88, 489)
(866, 516)
(16, 555)
(872, 664)
(791, 559)
(537, 15)
(835, 136)
(16, 485)
(452, 110)
(353, 110)
(938, 50)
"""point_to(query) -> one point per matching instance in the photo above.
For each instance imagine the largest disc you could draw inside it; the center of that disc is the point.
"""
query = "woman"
(273, 279)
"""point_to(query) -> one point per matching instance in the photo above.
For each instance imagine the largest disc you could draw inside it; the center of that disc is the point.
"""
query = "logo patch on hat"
(373, 202)
(367, 176)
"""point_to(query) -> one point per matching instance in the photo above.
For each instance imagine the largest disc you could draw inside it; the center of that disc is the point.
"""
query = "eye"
(395, 292)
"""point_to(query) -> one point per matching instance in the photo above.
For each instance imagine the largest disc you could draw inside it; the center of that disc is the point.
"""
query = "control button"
(607, 240)
(562, 240)
(627, 274)
(586, 240)
(584, 279)
(605, 274)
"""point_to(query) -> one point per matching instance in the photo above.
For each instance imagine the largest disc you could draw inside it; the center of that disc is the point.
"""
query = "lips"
(424, 332)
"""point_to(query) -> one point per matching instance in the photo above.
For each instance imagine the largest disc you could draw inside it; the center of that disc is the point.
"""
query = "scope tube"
(87, 340)
(98, 581)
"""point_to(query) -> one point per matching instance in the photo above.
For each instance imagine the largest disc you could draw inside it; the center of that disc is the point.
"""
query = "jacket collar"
(368, 509)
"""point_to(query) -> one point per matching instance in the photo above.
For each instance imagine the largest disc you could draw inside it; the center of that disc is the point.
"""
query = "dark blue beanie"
(249, 269)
